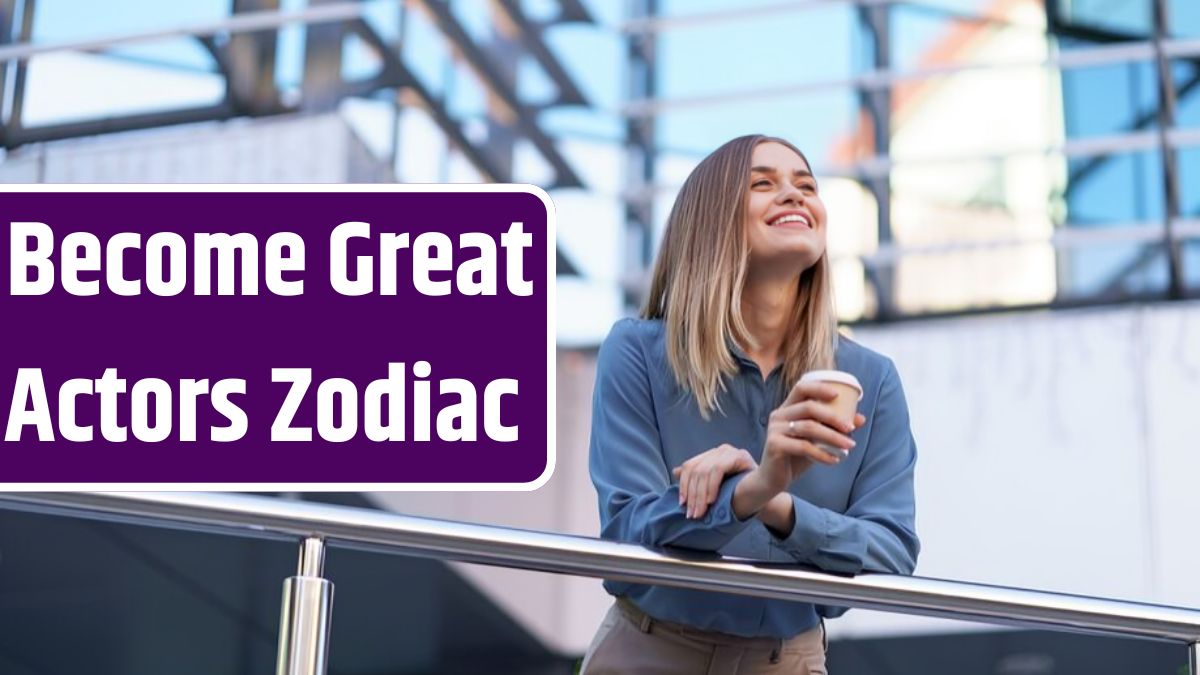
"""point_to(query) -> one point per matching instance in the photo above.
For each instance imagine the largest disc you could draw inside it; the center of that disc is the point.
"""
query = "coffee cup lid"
(839, 376)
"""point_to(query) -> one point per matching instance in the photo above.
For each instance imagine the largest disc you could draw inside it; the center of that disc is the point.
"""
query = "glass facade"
(1010, 153)
(976, 154)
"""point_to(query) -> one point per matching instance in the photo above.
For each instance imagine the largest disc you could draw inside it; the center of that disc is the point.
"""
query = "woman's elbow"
(907, 563)
(897, 558)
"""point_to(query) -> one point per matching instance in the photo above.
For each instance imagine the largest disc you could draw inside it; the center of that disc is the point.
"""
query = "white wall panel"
(299, 149)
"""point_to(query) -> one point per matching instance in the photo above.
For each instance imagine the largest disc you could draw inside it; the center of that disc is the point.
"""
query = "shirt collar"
(747, 363)
(739, 353)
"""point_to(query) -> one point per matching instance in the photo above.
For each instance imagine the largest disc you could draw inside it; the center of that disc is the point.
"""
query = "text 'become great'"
(169, 270)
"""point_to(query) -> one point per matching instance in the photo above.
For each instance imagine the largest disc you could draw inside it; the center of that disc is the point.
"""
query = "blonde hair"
(698, 278)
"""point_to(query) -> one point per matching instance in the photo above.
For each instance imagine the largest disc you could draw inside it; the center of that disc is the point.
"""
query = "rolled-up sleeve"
(877, 533)
(638, 501)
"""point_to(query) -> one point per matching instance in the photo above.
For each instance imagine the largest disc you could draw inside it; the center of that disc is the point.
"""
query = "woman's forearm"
(752, 497)
(779, 515)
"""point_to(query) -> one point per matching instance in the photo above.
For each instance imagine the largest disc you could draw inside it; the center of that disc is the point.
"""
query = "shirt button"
(722, 513)
(763, 420)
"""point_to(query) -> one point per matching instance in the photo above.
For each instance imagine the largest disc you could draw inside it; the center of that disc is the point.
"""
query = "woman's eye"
(760, 183)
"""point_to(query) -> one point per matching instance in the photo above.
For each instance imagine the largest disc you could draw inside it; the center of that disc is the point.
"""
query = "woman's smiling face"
(785, 218)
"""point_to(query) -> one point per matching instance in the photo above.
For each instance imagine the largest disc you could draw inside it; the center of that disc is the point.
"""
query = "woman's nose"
(791, 193)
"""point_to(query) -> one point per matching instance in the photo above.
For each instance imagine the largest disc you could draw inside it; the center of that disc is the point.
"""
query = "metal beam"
(7, 14)
(572, 11)
(1170, 167)
(17, 111)
(521, 117)
(658, 23)
(880, 79)
(57, 132)
(248, 60)
(666, 23)
(411, 85)
(1067, 237)
(503, 54)
(1058, 304)
(531, 39)
(244, 23)
(563, 267)
(322, 84)
(878, 103)
(640, 154)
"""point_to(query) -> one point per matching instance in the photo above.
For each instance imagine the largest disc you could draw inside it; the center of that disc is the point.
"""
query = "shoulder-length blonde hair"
(701, 269)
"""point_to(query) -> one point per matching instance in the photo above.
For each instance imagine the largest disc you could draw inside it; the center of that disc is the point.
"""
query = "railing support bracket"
(305, 617)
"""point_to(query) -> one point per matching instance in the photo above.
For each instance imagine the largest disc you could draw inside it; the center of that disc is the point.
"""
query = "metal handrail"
(566, 554)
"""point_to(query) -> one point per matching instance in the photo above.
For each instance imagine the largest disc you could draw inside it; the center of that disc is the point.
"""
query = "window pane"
(1188, 159)
(1187, 94)
(974, 233)
(1111, 99)
(1184, 18)
(815, 122)
(1127, 17)
(1191, 264)
(1009, 33)
(1115, 189)
(1117, 199)
(63, 20)
(975, 113)
(69, 87)
(1110, 271)
(761, 51)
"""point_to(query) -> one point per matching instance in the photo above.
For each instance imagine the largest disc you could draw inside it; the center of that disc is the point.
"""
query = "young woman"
(703, 438)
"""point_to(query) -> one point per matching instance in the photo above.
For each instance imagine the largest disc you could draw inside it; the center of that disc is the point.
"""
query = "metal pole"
(245, 22)
(640, 151)
(372, 530)
(878, 103)
(1170, 167)
(1194, 658)
(305, 617)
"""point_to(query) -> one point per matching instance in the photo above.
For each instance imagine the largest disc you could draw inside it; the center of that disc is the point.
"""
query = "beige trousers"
(630, 642)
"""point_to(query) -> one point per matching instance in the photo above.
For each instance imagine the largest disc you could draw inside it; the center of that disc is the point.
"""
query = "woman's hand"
(794, 431)
(700, 477)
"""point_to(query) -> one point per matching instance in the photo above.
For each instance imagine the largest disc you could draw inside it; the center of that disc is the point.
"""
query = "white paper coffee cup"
(850, 392)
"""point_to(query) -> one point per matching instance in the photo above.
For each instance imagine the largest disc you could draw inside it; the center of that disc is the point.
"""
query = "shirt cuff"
(720, 516)
(810, 535)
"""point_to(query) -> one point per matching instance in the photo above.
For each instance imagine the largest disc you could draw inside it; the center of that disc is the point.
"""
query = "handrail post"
(1194, 658)
(306, 613)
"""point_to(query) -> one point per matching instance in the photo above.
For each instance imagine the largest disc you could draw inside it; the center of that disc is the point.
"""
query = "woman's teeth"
(791, 219)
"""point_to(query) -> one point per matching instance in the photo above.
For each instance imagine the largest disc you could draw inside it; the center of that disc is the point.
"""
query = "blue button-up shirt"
(855, 516)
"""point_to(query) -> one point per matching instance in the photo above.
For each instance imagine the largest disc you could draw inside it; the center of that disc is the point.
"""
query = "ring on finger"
(791, 426)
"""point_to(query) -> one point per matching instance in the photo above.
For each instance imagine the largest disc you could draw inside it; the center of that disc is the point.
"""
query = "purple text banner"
(276, 337)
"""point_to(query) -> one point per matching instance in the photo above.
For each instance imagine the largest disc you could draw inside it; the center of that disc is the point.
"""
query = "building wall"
(1057, 449)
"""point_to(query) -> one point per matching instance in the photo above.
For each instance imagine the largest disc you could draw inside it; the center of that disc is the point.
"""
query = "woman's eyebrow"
(798, 173)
